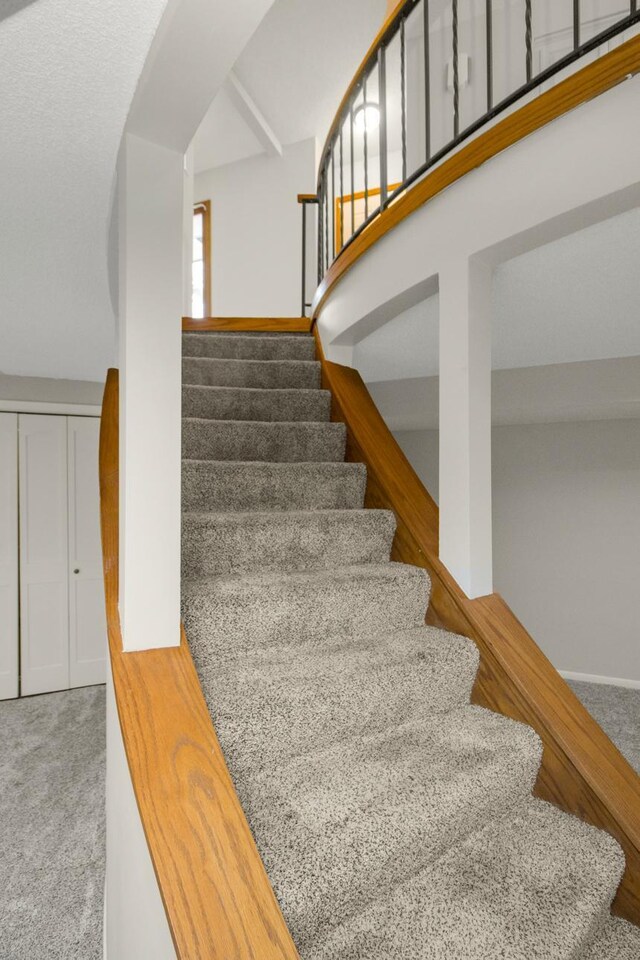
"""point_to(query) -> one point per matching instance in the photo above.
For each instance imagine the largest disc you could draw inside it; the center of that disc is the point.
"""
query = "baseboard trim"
(595, 678)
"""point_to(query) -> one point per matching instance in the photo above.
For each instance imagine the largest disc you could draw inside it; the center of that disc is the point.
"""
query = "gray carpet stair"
(242, 403)
(370, 684)
(533, 885)
(263, 374)
(218, 485)
(248, 348)
(255, 440)
(219, 544)
(267, 608)
(395, 820)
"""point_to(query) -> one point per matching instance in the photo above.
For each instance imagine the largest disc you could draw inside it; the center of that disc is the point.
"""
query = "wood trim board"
(255, 324)
(203, 207)
(215, 890)
(582, 771)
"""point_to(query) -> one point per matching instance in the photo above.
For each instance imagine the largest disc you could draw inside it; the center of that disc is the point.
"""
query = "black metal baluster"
(333, 199)
(353, 196)
(456, 88)
(528, 41)
(633, 7)
(427, 82)
(341, 201)
(382, 129)
(576, 24)
(366, 168)
(303, 306)
(326, 214)
(489, 22)
(320, 233)
(403, 102)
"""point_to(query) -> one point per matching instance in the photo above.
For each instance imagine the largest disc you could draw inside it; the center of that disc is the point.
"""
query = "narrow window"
(201, 265)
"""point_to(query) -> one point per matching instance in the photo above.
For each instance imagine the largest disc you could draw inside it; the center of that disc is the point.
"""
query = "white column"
(465, 424)
(151, 215)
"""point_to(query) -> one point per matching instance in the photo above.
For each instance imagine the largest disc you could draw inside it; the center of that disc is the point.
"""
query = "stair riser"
(223, 545)
(248, 348)
(272, 442)
(273, 612)
(276, 374)
(267, 486)
(239, 403)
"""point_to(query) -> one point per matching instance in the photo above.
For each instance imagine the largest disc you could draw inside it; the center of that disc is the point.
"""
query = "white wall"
(256, 231)
(50, 390)
(67, 72)
(566, 536)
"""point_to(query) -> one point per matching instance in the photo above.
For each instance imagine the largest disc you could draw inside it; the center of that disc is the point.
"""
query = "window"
(201, 263)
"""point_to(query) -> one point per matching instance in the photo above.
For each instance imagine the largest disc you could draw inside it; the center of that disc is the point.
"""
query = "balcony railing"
(438, 72)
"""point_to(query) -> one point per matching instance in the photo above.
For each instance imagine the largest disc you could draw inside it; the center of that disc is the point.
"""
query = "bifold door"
(44, 594)
(87, 620)
(62, 616)
(8, 555)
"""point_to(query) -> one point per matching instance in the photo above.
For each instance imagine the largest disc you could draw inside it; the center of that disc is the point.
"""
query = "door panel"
(8, 555)
(87, 621)
(44, 601)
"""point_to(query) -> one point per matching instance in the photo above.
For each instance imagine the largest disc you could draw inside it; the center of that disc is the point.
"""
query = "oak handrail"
(215, 890)
(582, 771)
(585, 84)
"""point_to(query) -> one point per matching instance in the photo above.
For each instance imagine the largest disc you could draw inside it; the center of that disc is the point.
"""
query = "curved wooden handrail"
(216, 893)
(581, 86)
(369, 56)
(582, 771)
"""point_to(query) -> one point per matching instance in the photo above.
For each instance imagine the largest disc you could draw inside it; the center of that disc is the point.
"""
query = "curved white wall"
(583, 168)
(68, 72)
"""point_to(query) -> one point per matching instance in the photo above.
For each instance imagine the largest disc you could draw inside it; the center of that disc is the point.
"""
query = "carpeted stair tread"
(230, 486)
(255, 610)
(248, 348)
(254, 440)
(221, 544)
(300, 697)
(376, 809)
(531, 886)
(264, 374)
(252, 403)
(615, 940)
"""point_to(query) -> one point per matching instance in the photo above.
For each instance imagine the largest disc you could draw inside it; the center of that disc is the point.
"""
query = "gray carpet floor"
(617, 710)
(52, 826)
(395, 819)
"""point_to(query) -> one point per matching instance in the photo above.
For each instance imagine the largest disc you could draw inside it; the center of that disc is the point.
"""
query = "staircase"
(395, 819)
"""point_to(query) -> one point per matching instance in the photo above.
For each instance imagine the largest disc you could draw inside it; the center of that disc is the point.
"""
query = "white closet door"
(8, 555)
(44, 600)
(87, 621)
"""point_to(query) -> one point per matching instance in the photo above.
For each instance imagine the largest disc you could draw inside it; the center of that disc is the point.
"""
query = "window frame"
(203, 208)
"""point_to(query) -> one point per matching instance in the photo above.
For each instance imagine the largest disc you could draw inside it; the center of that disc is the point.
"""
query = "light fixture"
(367, 116)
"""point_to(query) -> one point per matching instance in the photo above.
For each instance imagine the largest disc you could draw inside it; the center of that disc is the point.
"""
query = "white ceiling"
(575, 299)
(296, 68)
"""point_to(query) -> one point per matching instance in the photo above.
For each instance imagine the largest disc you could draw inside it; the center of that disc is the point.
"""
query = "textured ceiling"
(68, 72)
